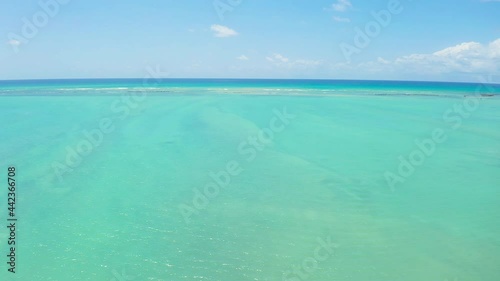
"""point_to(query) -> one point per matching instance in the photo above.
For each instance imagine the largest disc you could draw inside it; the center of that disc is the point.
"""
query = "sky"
(427, 40)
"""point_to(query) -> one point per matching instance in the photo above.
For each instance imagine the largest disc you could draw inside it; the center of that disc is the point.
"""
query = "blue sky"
(447, 40)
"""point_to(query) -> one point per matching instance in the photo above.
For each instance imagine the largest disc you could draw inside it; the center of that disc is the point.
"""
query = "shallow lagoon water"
(116, 212)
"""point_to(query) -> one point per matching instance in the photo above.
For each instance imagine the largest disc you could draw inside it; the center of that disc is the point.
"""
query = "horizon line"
(264, 79)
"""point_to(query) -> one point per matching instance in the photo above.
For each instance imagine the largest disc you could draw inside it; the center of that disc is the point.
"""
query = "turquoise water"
(116, 180)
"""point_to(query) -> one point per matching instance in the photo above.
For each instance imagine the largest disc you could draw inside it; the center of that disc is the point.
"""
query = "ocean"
(227, 179)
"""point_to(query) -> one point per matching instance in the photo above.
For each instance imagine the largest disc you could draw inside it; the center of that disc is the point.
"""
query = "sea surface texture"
(236, 180)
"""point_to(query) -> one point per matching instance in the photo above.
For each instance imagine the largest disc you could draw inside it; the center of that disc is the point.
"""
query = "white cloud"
(277, 58)
(494, 48)
(282, 61)
(14, 42)
(382, 61)
(341, 19)
(302, 62)
(222, 31)
(469, 49)
(469, 58)
(242, 57)
(342, 5)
